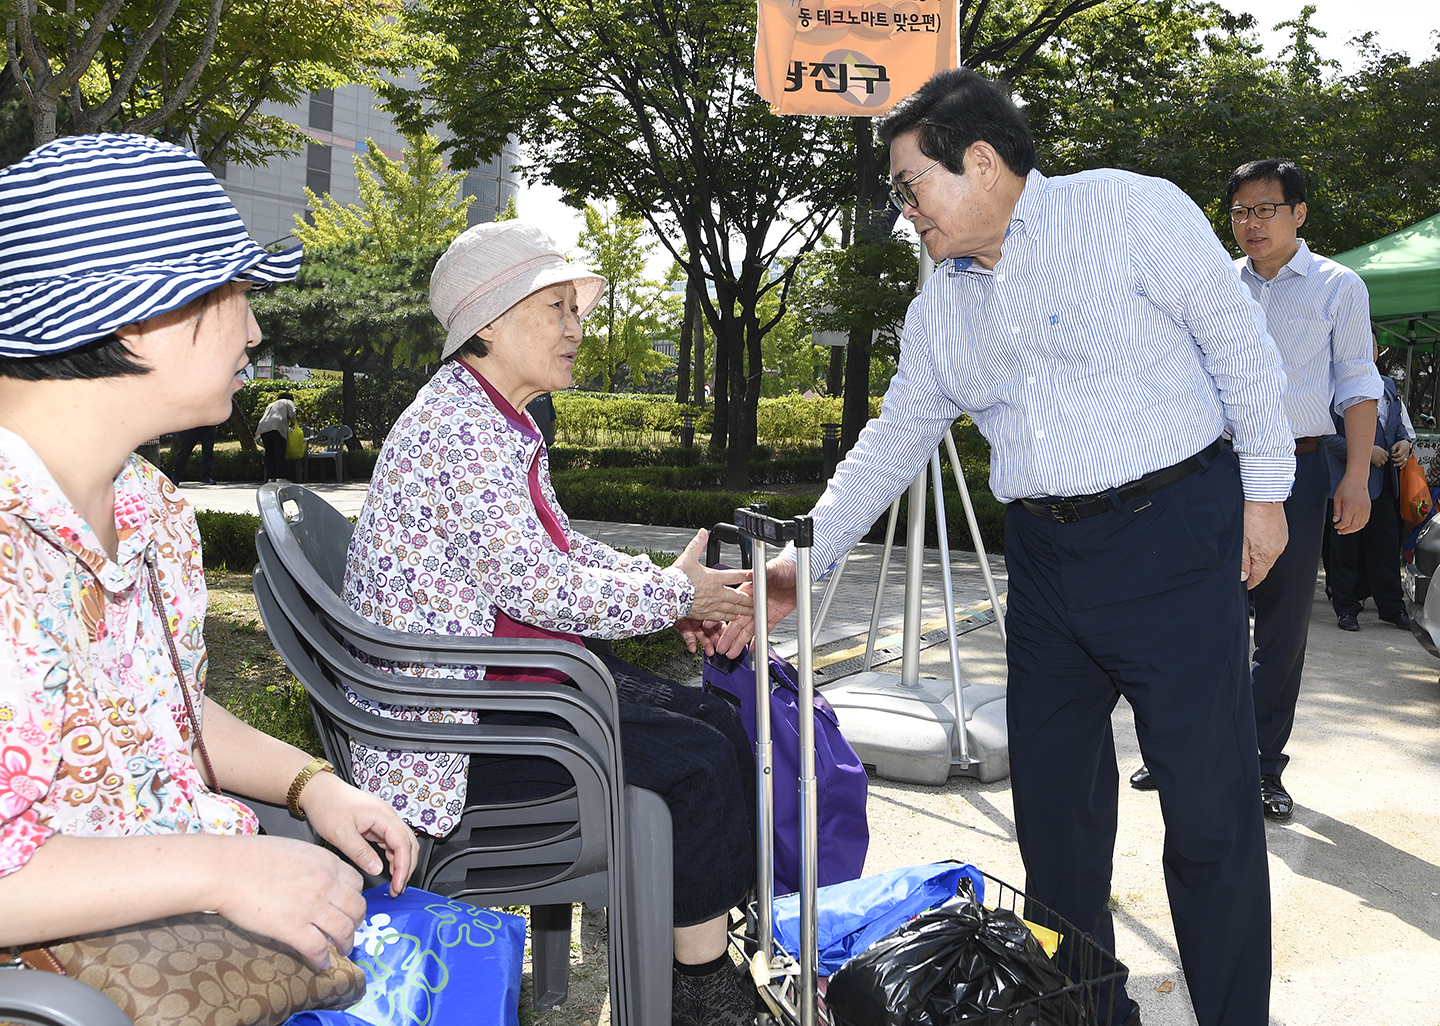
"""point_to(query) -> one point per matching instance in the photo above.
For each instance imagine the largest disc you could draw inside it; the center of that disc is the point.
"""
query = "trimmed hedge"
(705, 476)
(227, 540)
(243, 465)
(786, 421)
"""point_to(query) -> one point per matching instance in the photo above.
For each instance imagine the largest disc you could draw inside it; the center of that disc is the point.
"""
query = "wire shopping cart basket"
(788, 982)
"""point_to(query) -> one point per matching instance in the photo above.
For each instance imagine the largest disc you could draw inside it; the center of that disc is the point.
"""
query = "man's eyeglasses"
(902, 193)
(1262, 211)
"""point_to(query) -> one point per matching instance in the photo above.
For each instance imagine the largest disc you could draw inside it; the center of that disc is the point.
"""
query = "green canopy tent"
(1402, 272)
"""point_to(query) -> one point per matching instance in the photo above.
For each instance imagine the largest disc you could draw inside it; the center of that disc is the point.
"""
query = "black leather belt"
(1068, 511)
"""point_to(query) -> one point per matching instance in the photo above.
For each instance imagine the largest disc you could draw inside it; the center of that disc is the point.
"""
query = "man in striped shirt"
(1318, 313)
(1093, 328)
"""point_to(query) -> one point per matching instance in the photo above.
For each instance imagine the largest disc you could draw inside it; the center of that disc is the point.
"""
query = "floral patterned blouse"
(450, 540)
(94, 740)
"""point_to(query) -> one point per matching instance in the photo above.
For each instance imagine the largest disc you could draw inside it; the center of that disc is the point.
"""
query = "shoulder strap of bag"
(158, 598)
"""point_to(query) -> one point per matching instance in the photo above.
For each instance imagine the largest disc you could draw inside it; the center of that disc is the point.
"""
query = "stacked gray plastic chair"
(33, 998)
(602, 842)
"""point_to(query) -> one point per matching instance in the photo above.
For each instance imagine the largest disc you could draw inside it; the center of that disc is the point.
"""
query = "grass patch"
(245, 674)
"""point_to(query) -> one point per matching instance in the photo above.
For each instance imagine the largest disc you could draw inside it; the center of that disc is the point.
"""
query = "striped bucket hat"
(100, 231)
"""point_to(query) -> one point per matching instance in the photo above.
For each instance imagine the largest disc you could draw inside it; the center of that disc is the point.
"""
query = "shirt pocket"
(1091, 336)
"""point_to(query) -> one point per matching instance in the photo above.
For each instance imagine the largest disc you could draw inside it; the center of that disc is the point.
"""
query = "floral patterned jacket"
(449, 535)
(94, 739)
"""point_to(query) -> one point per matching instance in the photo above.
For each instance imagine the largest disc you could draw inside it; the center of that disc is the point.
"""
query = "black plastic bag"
(958, 963)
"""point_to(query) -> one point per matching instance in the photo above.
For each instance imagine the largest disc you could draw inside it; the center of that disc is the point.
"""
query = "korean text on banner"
(852, 59)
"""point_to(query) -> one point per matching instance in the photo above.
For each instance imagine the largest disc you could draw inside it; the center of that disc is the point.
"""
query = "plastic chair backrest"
(33, 998)
(301, 572)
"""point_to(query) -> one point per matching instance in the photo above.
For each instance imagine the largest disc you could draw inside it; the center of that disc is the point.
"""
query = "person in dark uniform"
(1368, 561)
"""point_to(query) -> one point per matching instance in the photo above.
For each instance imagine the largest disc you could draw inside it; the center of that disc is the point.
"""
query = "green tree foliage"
(350, 313)
(361, 303)
(650, 103)
(400, 201)
(192, 70)
(793, 363)
(1182, 92)
(619, 330)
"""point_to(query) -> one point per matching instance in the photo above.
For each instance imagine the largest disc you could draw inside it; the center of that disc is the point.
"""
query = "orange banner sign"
(856, 58)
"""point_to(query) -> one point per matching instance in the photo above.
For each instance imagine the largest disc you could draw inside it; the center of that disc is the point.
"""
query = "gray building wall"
(338, 122)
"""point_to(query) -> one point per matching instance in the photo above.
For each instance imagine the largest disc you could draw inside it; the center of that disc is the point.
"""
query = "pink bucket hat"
(491, 267)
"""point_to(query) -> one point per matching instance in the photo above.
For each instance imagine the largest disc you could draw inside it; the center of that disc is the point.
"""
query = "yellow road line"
(830, 658)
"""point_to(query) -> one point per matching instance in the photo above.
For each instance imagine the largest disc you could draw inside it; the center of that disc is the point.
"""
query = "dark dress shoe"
(1402, 621)
(1274, 799)
(1347, 622)
(1141, 780)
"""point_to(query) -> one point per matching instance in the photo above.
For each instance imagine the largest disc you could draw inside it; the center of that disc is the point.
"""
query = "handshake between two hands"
(721, 618)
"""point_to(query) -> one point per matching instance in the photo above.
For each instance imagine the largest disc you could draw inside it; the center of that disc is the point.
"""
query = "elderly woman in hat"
(461, 534)
(123, 314)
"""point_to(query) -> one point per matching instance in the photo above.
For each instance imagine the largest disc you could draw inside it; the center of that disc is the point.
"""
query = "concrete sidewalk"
(1355, 876)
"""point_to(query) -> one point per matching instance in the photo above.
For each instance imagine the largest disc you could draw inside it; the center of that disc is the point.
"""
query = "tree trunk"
(682, 357)
(699, 376)
(856, 412)
(722, 356)
(349, 405)
(857, 354)
(241, 427)
(835, 376)
(737, 453)
(43, 112)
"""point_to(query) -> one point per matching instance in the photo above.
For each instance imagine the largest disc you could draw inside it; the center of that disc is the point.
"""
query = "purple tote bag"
(840, 783)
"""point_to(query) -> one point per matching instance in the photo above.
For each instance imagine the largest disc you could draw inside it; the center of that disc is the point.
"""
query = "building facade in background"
(338, 121)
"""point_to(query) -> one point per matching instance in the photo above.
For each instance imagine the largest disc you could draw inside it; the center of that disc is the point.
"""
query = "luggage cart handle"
(772, 531)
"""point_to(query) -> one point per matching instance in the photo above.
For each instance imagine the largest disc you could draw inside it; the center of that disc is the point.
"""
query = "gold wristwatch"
(292, 797)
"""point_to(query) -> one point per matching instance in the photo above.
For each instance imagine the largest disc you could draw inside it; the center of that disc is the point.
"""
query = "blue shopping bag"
(853, 915)
(432, 961)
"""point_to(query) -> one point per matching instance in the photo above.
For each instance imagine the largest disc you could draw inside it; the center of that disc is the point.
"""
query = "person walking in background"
(185, 444)
(273, 432)
(1318, 314)
(1368, 560)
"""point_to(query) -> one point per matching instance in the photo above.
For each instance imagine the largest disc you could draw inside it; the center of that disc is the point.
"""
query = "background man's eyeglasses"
(1263, 211)
(902, 193)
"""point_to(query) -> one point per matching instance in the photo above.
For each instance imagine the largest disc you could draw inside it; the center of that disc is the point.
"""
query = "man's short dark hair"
(106, 357)
(1271, 169)
(474, 345)
(956, 109)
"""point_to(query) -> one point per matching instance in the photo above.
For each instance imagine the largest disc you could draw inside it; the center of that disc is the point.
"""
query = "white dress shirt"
(1318, 313)
(1111, 339)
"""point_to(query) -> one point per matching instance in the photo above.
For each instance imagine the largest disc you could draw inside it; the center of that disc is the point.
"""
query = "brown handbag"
(198, 969)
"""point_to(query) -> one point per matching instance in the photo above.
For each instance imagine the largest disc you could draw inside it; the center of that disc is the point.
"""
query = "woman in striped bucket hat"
(123, 315)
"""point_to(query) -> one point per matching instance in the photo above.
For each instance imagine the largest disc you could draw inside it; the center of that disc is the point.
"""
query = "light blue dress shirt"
(1111, 339)
(1318, 313)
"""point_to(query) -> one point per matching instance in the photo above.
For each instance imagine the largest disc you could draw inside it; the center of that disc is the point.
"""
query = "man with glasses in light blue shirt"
(1093, 328)
(1318, 313)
